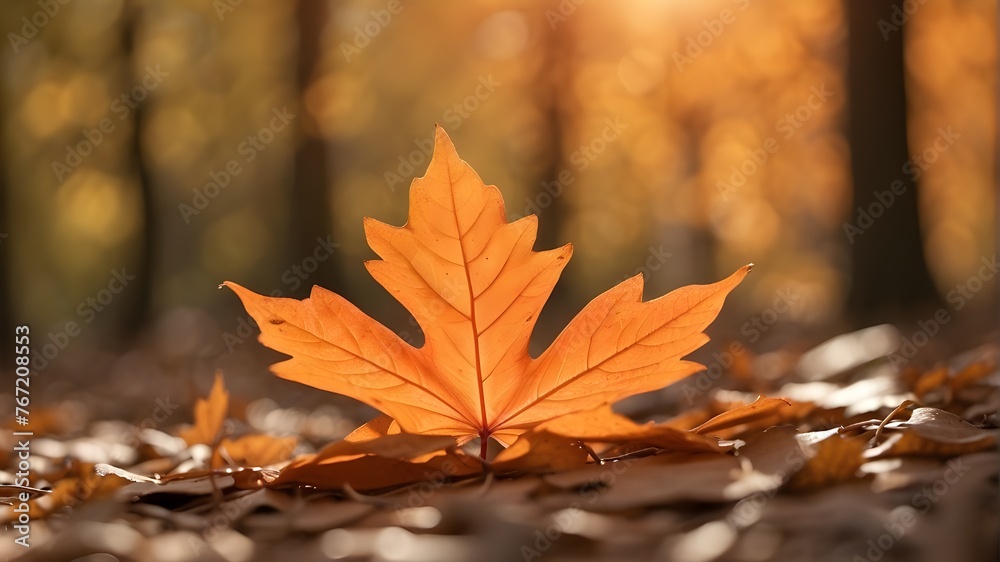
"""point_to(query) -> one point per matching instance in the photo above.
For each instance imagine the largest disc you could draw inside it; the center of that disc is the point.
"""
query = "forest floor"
(868, 458)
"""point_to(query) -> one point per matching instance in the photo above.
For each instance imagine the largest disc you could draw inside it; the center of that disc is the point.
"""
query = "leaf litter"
(842, 458)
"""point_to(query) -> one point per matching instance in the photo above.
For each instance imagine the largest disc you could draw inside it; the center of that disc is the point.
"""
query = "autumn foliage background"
(619, 123)
(522, 89)
(151, 150)
(631, 112)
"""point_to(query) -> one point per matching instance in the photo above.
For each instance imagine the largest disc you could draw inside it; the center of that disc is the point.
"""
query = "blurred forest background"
(152, 149)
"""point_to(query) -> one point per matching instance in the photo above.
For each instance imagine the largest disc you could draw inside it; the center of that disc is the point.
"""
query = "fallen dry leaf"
(834, 458)
(368, 473)
(79, 484)
(765, 462)
(932, 432)
(209, 414)
(253, 450)
(12, 492)
(311, 517)
(382, 462)
(246, 451)
(972, 374)
(601, 425)
(540, 451)
(191, 483)
(476, 287)
(763, 410)
(407, 446)
(930, 381)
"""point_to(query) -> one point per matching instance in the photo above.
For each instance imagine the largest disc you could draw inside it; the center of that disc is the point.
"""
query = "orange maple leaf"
(249, 450)
(476, 287)
(209, 415)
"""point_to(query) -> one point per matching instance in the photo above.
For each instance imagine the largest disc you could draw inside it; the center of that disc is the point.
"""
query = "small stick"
(362, 498)
(590, 451)
(878, 432)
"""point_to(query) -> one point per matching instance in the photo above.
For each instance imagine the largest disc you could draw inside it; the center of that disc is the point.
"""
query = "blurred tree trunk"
(7, 321)
(311, 201)
(553, 77)
(889, 273)
(141, 297)
(549, 200)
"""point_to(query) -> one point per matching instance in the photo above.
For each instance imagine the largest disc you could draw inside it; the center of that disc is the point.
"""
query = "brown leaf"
(369, 472)
(312, 517)
(932, 432)
(930, 381)
(209, 414)
(762, 409)
(554, 445)
(764, 463)
(972, 374)
(378, 463)
(834, 458)
(191, 483)
(81, 483)
(253, 450)
(601, 425)
(540, 451)
(405, 446)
